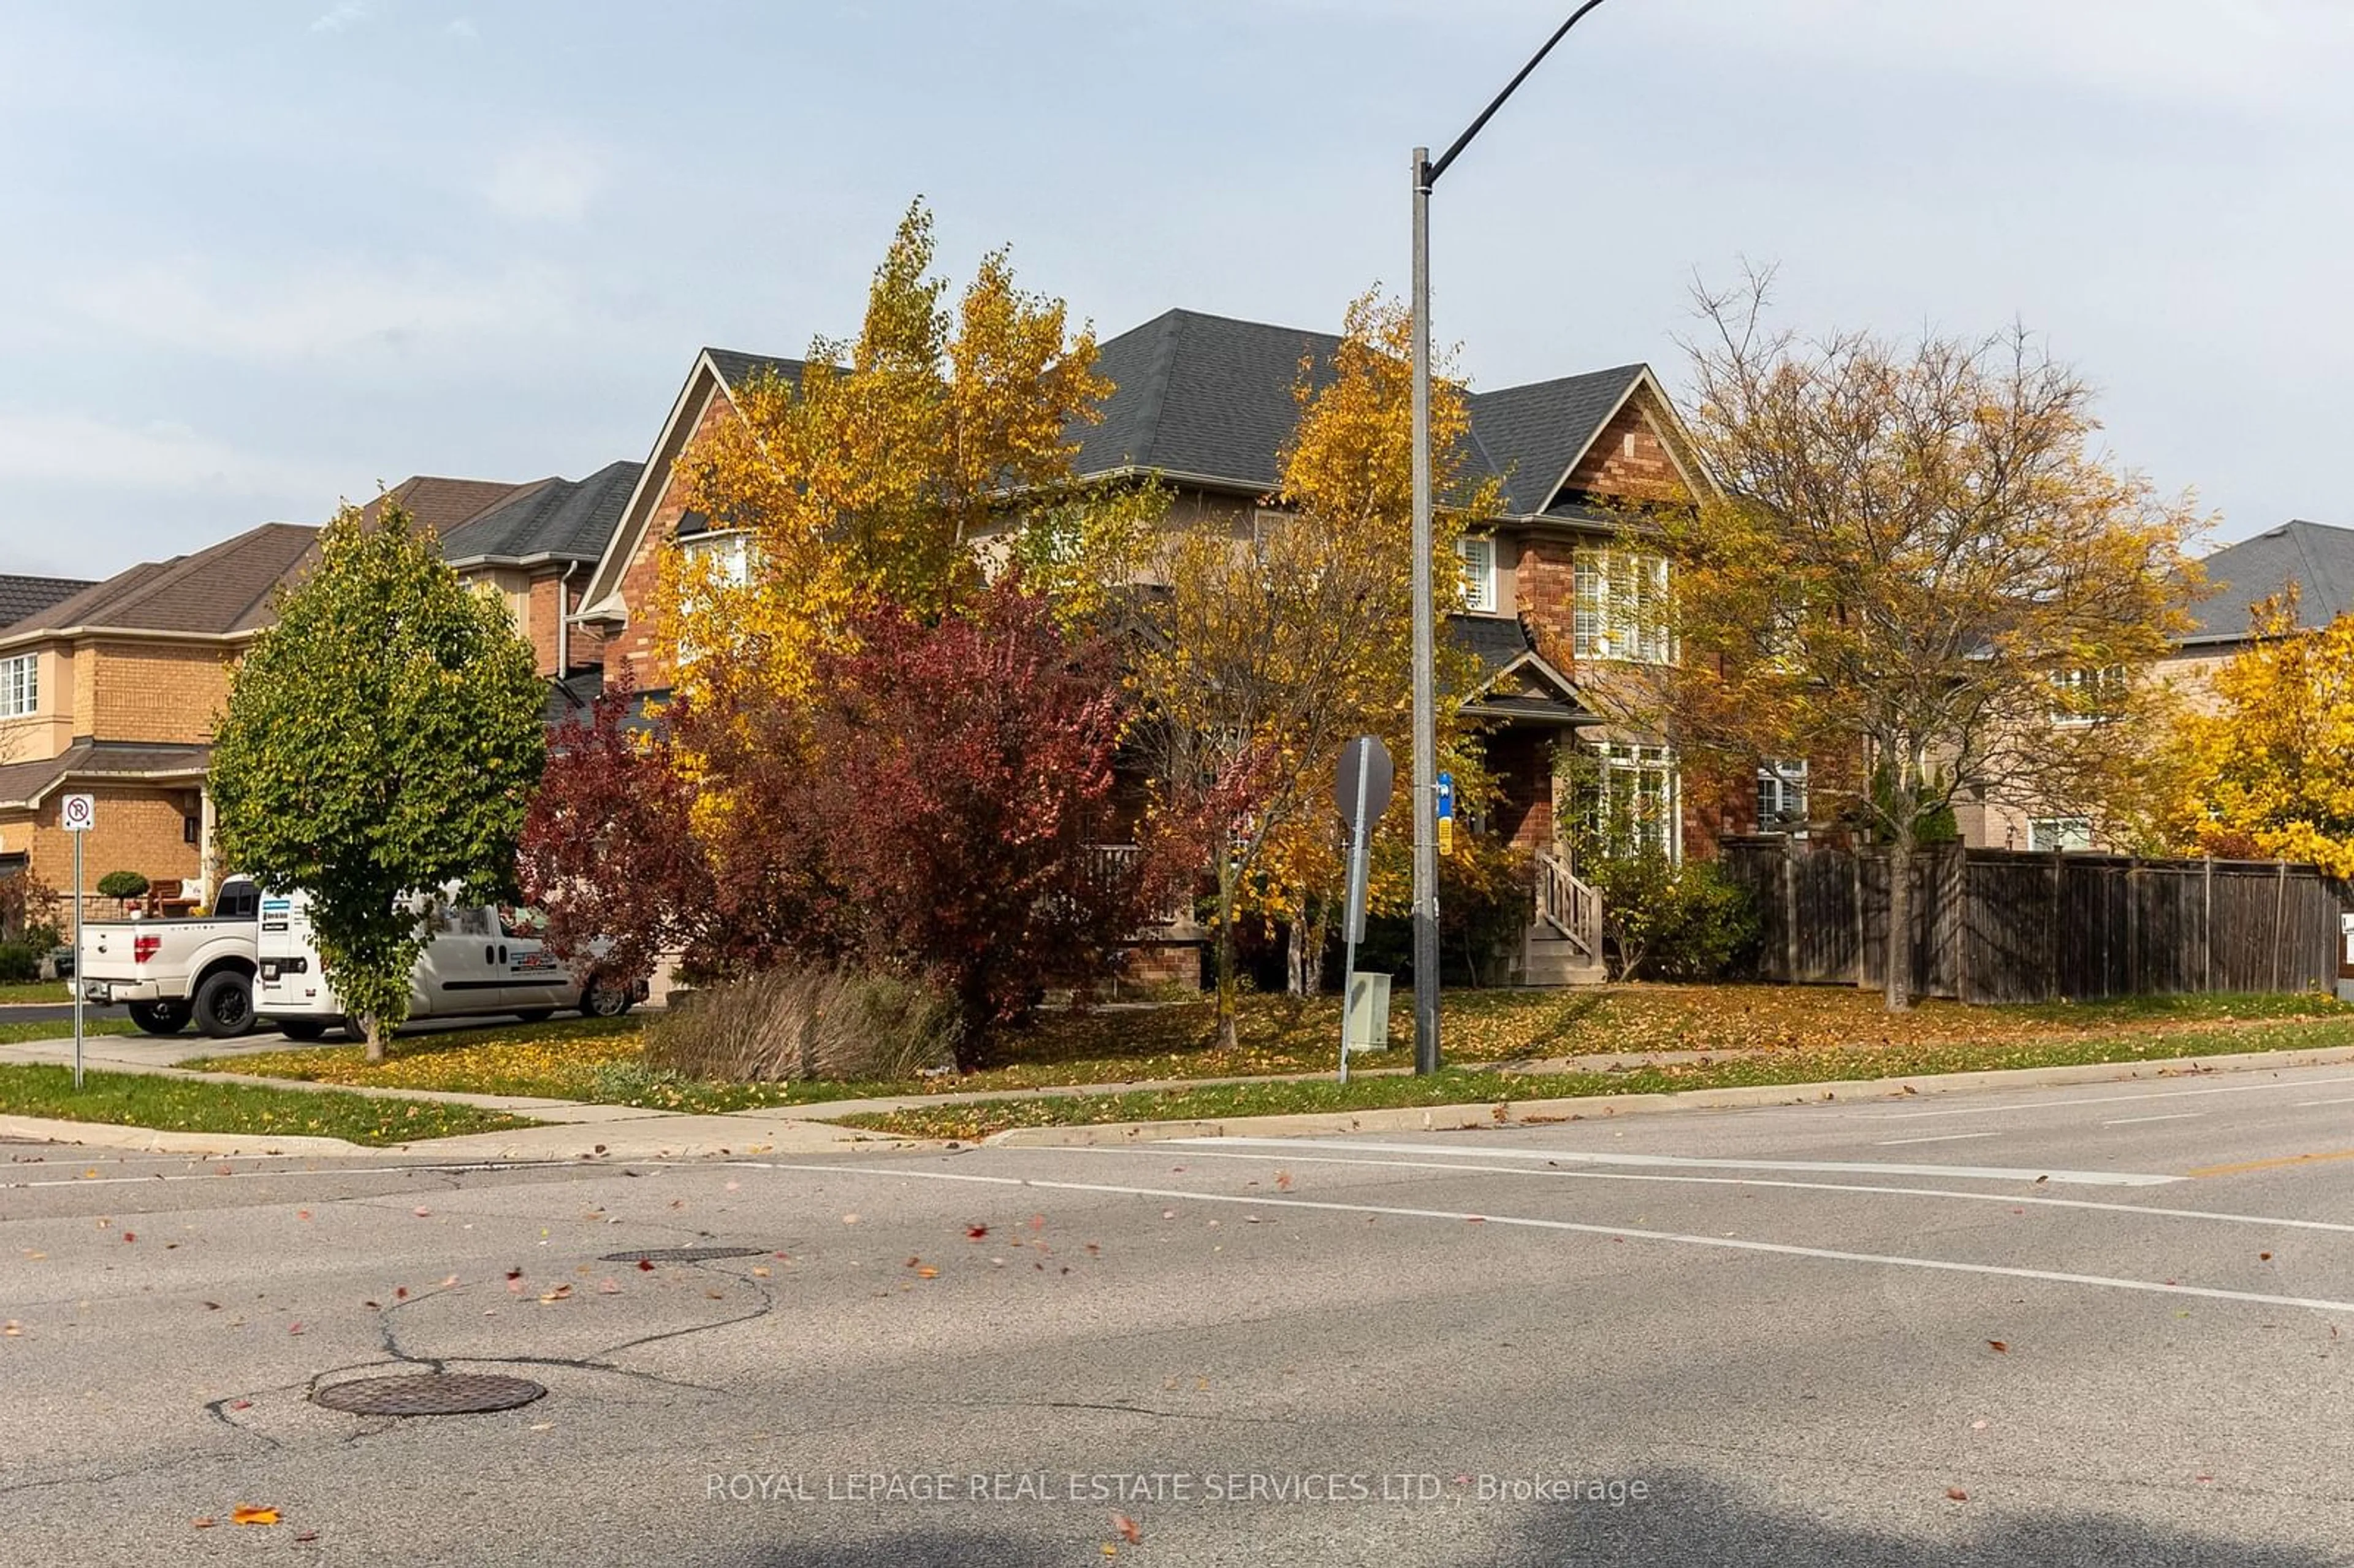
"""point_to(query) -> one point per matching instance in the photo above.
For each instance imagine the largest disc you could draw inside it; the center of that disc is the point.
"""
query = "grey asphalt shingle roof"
(737, 367)
(21, 596)
(2315, 557)
(1212, 397)
(221, 589)
(565, 518)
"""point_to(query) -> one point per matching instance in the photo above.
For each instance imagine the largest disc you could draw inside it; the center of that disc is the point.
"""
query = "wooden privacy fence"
(1991, 926)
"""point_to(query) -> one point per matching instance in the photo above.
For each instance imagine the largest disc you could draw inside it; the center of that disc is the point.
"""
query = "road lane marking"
(468, 1168)
(1935, 1138)
(1830, 1166)
(2274, 1164)
(2301, 1104)
(1672, 1238)
(2102, 1099)
(2170, 1116)
(2270, 1222)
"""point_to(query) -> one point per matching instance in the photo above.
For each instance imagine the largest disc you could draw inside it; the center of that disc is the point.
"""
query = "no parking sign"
(77, 814)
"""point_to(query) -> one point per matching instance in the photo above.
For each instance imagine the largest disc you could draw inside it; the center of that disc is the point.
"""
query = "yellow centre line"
(2247, 1165)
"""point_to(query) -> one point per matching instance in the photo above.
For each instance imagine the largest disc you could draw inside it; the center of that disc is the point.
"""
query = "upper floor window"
(20, 686)
(726, 554)
(1622, 606)
(2088, 695)
(1478, 553)
(2046, 834)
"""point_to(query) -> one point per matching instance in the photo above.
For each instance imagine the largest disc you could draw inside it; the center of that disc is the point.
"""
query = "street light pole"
(1426, 709)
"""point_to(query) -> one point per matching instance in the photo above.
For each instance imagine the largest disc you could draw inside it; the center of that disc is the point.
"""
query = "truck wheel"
(604, 999)
(225, 1005)
(301, 1028)
(160, 1017)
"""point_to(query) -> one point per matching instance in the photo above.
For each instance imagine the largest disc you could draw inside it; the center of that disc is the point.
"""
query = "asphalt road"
(2090, 1326)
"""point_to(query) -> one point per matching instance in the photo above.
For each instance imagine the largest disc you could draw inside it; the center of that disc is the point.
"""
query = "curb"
(1584, 1107)
(153, 1140)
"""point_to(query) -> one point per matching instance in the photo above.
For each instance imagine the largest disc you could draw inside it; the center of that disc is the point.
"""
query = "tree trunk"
(1304, 968)
(372, 1030)
(1900, 919)
(1228, 1039)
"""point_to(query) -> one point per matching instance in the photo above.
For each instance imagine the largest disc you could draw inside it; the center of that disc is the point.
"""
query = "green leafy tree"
(382, 740)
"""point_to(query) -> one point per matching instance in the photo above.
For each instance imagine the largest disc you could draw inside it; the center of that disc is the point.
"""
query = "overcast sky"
(260, 254)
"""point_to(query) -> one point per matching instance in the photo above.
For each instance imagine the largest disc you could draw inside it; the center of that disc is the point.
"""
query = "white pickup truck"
(170, 972)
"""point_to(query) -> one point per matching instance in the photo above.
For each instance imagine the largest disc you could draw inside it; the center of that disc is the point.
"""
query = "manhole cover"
(428, 1393)
(682, 1254)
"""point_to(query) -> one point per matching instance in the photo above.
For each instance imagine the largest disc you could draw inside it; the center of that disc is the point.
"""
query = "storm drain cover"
(428, 1393)
(682, 1254)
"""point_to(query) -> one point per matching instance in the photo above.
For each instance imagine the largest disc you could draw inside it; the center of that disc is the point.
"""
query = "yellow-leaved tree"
(1279, 639)
(2269, 771)
(899, 464)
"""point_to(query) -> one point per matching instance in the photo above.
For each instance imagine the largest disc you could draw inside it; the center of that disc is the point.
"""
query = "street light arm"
(1432, 172)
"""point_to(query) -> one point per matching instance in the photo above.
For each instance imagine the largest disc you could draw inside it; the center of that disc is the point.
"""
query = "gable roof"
(22, 596)
(2317, 557)
(1211, 398)
(441, 505)
(554, 519)
(1503, 646)
(214, 592)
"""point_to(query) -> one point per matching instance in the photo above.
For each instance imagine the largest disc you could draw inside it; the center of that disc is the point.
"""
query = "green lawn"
(601, 1059)
(186, 1105)
(35, 991)
(1458, 1085)
(17, 1031)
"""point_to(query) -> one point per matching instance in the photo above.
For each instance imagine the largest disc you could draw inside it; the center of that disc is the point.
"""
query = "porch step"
(1559, 963)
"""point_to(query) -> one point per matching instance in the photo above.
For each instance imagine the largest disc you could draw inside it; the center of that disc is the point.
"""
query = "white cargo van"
(475, 962)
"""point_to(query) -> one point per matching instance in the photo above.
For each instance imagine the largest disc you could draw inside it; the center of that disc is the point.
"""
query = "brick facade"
(152, 691)
(1629, 460)
(138, 828)
(633, 648)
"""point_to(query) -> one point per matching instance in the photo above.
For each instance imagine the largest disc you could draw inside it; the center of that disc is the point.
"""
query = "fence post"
(1862, 927)
(2206, 921)
(2280, 894)
(2051, 949)
(1789, 889)
(2133, 925)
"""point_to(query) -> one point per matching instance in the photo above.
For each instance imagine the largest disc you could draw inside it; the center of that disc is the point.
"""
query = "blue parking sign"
(1447, 796)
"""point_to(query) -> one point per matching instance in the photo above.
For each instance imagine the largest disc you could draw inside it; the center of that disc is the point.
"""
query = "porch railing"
(1569, 906)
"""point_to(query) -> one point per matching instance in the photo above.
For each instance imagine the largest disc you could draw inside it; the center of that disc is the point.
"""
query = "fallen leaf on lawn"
(2000, 1347)
(249, 1513)
(1956, 1494)
(1127, 1528)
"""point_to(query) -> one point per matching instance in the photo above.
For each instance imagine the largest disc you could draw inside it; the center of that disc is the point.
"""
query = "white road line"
(2301, 1104)
(2102, 1099)
(2170, 1116)
(2269, 1222)
(1934, 1138)
(1833, 1166)
(1728, 1244)
(467, 1168)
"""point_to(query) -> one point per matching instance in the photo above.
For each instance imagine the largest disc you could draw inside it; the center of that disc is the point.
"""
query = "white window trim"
(2078, 828)
(20, 686)
(1788, 777)
(1608, 589)
(1633, 762)
(734, 546)
(2094, 682)
(1478, 554)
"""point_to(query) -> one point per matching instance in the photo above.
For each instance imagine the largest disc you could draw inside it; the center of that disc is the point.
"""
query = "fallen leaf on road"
(1956, 1494)
(759, 1271)
(240, 1404)
(1283, 1179)
(249, 1513)
(212, 1306)
(606, 1288)
(1127, 1528)
(306, 1535)
(543, 1425)
(2000, 1347)
(129, 1237)
(400, 1293)
(514, 1286)
(1978, 1425)
(294, 1328)
(448, 1282)
(735, 1186)
(722, 1296)
(974, 1232)
(849, 1219)
(928, 1272)
(561, 1293)
(646, 1266)
(2260, 1257)
(203, 1523)
(12, 1328)
(2040, 1180)
(421, 1212)
(1168, 1214)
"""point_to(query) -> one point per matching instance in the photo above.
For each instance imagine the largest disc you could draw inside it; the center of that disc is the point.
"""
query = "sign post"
(76, 814)
(1362, 791)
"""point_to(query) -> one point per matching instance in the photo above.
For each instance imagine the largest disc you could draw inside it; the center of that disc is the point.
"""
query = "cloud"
(79, 449)
(322, 313)
(343, 13)
(547, 178)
